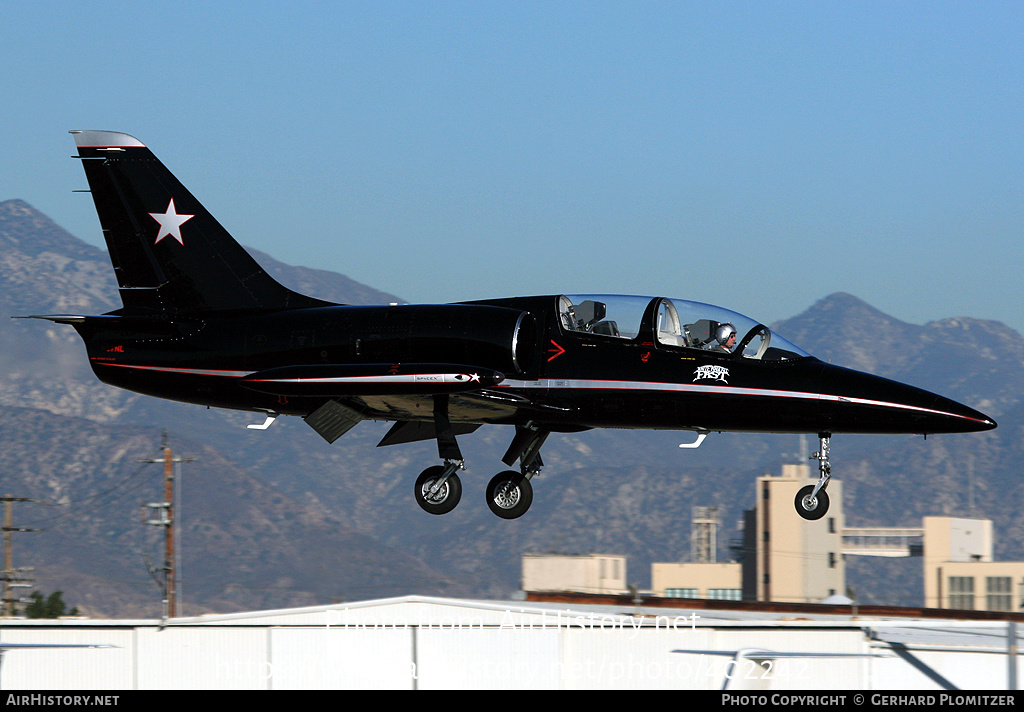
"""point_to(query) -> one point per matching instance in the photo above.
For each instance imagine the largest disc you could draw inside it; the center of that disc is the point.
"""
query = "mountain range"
(280, 518)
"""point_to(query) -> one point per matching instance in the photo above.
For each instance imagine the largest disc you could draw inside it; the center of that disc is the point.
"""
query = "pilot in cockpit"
(725, 338)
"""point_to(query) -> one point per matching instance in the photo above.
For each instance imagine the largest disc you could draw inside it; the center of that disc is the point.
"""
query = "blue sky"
(757, 155)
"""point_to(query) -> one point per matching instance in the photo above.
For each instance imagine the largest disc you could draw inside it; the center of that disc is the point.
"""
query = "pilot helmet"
(724, 332)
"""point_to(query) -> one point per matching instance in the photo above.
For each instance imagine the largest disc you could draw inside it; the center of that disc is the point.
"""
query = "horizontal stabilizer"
(330, 380)
(63, 318)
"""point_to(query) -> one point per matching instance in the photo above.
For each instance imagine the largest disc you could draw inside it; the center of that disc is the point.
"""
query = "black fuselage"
(566, 379)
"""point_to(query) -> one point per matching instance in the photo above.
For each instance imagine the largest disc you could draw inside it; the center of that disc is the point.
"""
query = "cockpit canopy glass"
(677, 323)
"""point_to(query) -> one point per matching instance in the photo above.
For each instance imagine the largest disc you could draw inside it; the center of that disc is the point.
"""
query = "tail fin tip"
(105, 139)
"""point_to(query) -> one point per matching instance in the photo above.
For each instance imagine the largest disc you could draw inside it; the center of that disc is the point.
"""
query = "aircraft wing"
(759, 657)
(27, 646)
(761, 654)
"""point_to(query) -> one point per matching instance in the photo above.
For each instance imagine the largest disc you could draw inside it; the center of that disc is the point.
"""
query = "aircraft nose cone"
(867, 403)
(975, 420)
(958, 417)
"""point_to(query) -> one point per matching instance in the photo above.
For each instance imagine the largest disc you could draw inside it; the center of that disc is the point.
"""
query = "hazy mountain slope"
(280, 517)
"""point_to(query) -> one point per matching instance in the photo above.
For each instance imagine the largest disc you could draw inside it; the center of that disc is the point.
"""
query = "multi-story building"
(788, 559)
(592, 573)
(784, 558)
(959, 571)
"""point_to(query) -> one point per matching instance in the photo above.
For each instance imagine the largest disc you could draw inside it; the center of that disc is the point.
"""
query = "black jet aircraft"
(203, 323)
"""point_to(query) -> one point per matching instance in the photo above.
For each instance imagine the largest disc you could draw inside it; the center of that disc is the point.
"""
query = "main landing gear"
(812, 501)
(509, 494)
(439, 489)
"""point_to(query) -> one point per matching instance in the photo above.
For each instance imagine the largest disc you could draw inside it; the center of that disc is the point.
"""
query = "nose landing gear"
(812, 501)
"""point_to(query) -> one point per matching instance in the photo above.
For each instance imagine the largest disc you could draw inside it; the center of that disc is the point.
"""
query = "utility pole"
(164, 517)
(12, 577)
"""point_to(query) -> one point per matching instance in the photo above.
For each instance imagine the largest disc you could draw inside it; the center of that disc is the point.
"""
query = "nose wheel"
(812, 501)
(809, 505)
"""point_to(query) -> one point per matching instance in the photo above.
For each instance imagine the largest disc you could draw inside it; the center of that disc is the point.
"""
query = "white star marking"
(170, 223)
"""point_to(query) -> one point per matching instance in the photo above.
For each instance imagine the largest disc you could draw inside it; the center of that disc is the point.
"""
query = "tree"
(51, 606)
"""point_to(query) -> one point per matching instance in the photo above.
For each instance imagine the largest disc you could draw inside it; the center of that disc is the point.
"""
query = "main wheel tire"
(809, 507)
(445, 499)
(509, 494)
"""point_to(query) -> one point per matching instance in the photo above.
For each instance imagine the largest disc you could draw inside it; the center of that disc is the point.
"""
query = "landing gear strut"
(812, 501)
(438, 488)
(509, 493)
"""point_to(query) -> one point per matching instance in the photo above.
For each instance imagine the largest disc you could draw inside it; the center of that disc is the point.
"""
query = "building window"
(725, 594)
(998, 593)
(961, 592)
(681, 593)
(831, 559)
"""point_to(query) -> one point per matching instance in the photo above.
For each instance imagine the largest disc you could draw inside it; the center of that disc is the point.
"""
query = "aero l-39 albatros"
(203, 323)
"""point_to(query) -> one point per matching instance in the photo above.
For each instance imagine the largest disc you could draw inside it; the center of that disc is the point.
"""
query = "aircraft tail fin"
(169, 254)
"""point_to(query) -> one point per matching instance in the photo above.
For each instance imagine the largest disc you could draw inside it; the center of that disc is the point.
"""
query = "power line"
(96, 499)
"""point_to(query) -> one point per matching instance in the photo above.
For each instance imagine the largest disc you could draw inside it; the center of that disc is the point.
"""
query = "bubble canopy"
(675, 323)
